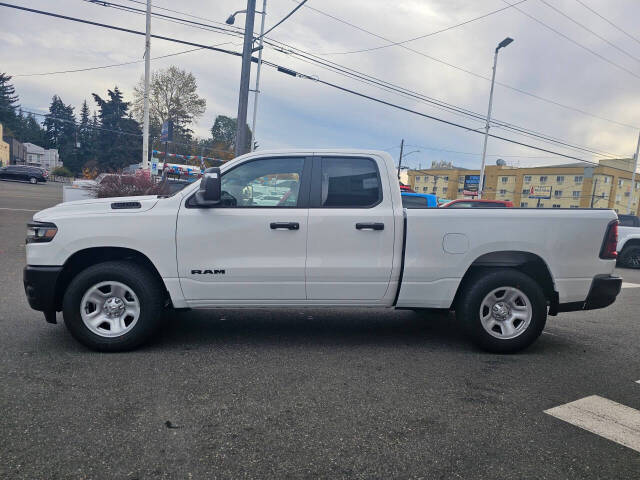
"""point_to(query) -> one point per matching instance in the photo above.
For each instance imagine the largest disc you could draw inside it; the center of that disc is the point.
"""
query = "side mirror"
(208, 195)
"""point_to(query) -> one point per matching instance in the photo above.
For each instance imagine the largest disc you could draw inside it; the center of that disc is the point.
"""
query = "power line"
(477, 75)
(419, 37)
(112, 65)
(590, 31)
(608, 21)
(387, 86)
(575, 42)
(285, 17)
(309, 77)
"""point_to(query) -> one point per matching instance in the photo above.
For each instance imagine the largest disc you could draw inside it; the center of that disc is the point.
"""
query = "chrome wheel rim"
(33, 181)
(110, 309)
(505, 313)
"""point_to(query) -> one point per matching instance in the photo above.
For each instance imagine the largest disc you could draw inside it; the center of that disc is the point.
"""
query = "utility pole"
(257, 89)
(593, 194)
(633, 176)
(400, 158)
(502, 44)
(245, 74)
(147, 68)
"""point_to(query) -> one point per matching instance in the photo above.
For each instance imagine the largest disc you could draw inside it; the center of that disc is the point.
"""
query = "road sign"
(540, 191)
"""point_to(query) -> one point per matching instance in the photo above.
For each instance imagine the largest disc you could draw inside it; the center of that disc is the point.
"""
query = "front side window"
(350, 183)
(270, 182)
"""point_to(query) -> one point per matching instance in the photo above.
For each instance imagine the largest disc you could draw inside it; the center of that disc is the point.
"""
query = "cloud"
(298, 112)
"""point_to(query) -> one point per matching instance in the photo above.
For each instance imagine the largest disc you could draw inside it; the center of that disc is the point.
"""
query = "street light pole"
(257, 89)
(147, 68)
(633, 176)
(400, 157)
(502, 44)
(245, 74)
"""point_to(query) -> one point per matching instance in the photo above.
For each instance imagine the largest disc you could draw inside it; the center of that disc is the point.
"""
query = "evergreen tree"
(119, 142)
(86, 138)
(8, 105)
(60, 131)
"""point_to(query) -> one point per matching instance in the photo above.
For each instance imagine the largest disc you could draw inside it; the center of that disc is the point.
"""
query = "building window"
(527, 179)
(417, 179)
(460, 178)
(556, 205)
(620, 182)
(576, 193)
(525, 191)
(524, 204)
(460, 190)
(504, 179)
(560, 179)
(446, 178)
(424, 189)
(577, 179)
(618, 198)
(606, 179)
(503, 192)
(543, 179)
(444, 190)
(558, 193)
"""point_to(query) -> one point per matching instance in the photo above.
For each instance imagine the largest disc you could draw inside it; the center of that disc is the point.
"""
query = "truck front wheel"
(113, 306)
(503, 310)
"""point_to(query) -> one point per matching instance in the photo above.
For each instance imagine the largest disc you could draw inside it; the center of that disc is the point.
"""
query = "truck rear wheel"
(630, 256)
(113, 306)
(503, 310)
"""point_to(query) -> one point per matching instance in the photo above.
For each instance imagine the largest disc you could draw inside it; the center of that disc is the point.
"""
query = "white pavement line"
(630, 285)
(27, 210)
(611, 420)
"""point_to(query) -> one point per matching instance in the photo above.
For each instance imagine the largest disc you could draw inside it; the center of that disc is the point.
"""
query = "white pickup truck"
(629, 241)
(322, 228)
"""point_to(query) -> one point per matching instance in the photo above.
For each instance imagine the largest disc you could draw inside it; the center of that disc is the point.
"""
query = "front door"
(252, 248)
(351, 231)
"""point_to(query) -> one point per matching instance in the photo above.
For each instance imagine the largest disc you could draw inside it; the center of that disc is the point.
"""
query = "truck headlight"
(40, 232)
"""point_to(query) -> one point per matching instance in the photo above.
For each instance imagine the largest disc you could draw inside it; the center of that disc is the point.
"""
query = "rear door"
(351, 230)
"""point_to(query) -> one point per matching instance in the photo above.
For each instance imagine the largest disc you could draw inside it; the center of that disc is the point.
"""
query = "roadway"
(309, 393)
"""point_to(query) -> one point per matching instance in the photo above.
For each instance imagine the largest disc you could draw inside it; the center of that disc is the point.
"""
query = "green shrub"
(62, 172)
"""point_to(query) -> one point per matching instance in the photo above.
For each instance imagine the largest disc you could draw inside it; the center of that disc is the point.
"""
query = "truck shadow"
(322, 327)
(313, 327)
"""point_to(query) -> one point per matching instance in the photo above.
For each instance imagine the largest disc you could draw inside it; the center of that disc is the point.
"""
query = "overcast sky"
(295, 112)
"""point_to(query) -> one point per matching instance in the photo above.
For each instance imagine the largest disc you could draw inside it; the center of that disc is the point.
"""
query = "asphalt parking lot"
(304, 394)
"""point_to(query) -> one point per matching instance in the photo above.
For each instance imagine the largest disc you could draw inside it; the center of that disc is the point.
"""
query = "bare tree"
(173, 96)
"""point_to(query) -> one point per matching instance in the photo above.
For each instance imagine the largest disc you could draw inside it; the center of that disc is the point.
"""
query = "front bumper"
(40, 287)
(603, 292)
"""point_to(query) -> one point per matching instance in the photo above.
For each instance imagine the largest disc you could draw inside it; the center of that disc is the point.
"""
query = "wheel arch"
(94, 255)
(528, 263)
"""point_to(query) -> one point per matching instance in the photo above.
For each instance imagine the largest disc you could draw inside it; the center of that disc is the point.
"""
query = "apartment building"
(577, 185)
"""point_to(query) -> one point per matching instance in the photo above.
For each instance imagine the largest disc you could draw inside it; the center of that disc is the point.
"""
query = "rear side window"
(350, 183)
(628, 220)
(491, 205)
(414, 202)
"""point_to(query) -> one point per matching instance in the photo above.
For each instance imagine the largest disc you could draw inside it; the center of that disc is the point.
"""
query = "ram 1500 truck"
(321, 228)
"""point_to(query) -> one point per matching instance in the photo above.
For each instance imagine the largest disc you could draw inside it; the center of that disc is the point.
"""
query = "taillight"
(610, 245)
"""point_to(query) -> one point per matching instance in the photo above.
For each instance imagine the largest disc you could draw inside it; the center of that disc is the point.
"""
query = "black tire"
(33, 180)
(478, 287)
(630, 256)
(146, 287)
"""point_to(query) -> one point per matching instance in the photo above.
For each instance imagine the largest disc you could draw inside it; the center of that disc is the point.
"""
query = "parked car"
(629, 241)
(23, 173)
(474, 203)
(336, 237)
(419, 200)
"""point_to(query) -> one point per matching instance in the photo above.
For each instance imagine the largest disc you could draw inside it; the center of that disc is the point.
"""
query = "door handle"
(370, 226)
(285, 226)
